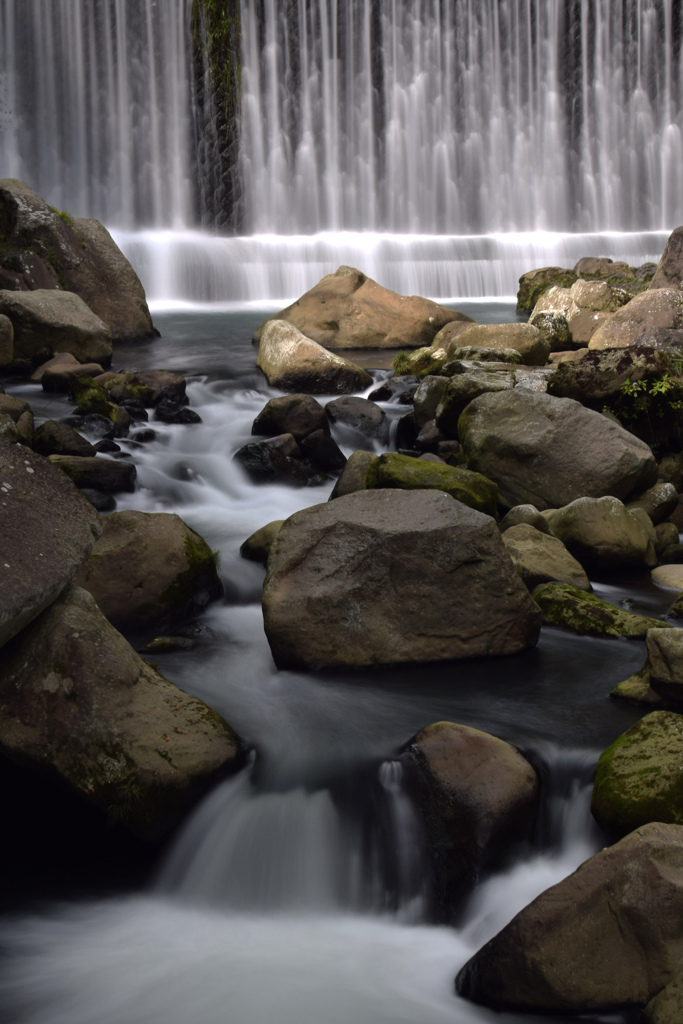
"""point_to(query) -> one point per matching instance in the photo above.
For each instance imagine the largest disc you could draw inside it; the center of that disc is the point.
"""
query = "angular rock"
(62, 359)
(486, 355)
(558, 301)
(600, 376)
(564, 605)
(6, 341)
(637, 689)
(601, 533)
(59, 251)
(539, 558)
(528, 514)
(386, 576)
(322, 451)
(266, 462)
(658, 502)
(55, 321)
(523, 338)
(427, 398)
(534, 283)
(639, 778)
(584, 325)
(549, 451)
(665, 658)
(669, 273)
(598, 296)
(100, 474)
(149, 569)
(349, 310)
(354, 475)
(554, 328)
(57, 379)
(257, 547)
(359, 414)
(407, 473)
(667, 1005)
(477, 795)
(607, 936)
(53, 438)
(293, 362)
(77, 700)
(298, 415)
(46, 528)
(661, 307)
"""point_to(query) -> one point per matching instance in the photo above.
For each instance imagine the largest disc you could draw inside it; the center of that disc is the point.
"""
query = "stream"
(297, 890)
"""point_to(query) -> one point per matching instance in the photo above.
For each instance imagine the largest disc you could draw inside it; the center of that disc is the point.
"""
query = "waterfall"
(461, 118)
(94, 107)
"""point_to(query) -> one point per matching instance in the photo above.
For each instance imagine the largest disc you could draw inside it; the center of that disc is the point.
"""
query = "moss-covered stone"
(257, 546)
(91, 398)
(420, 362)
(408, 474)
(128, 387)
(563, 605)
(637, 689)
(639, 777)
(534, 283)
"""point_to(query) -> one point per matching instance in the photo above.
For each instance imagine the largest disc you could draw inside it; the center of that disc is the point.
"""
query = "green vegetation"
(63, 215)
(651, 407)
(216, 32)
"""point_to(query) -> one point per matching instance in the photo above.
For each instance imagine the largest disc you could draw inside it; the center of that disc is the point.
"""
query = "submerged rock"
(477, 795)
(293, 362)
(387, 576)
(76, 700)
(47, 531)
(349, 310)
(149, 569)
(564, 605)
(606, 937)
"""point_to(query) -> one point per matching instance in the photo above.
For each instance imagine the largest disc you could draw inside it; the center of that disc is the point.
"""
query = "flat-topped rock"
(293, 362)
(55, 321)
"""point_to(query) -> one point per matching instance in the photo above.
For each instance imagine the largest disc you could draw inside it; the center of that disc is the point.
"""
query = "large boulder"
(469, 381)
(62, 252)
(523, 338)
(639, 778)
(293, 362)
(477, 795)
(661, 307)
(387, 576)
(349, 310)
(548, 451)
(47, 530)
(564, 605)
(669, 273)
(606, 937)
(407, 473)
(539, 558)
(599, 377)
(54, 321)
(76, 700)
(149, 569)
(55, 438)
(601, 533)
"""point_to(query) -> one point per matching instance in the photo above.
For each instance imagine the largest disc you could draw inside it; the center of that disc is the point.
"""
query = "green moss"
(407, 473)
(201, 576)
(216, 31)
(637, 689)
(420, 362)
(64, 216)
(564, 605)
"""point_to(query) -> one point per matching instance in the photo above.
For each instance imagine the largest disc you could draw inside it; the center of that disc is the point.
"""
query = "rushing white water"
(94, 107)
(194, 268)
(468, 117)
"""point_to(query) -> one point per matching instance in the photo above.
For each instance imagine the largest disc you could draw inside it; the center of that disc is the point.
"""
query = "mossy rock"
(637, 689)
(533, 284)
(128, 387)
(409, 474)
(421, 362)
(256, 548)
(563, 605)
(91, 398)
(639, 778)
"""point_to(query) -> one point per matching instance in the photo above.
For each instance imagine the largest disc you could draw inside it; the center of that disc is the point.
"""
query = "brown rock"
(349, 310)
(669, 273)
(661, 307)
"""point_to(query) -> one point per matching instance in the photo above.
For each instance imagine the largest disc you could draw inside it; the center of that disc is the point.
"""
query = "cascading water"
(443, 148)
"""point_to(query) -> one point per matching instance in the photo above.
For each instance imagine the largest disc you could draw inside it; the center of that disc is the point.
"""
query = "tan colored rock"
(523, 338)
(607, 936)
(477, 795)
(667, 1005)
(658, 501)
(349, 310)
(149, 569)
(556, 300)
(662, 307)
(601, 533)
(668, 576)
(76, 699)
(61, 359)
(665, 657)
(354, 474)
(47, 530)
(55, 321)
(669, 273)
(539, 558)
(391, 576)
(598, 296)
(293, 362)
(584, 325)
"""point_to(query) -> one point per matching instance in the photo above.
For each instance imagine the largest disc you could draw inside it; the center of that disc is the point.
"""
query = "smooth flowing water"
(299, 889)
